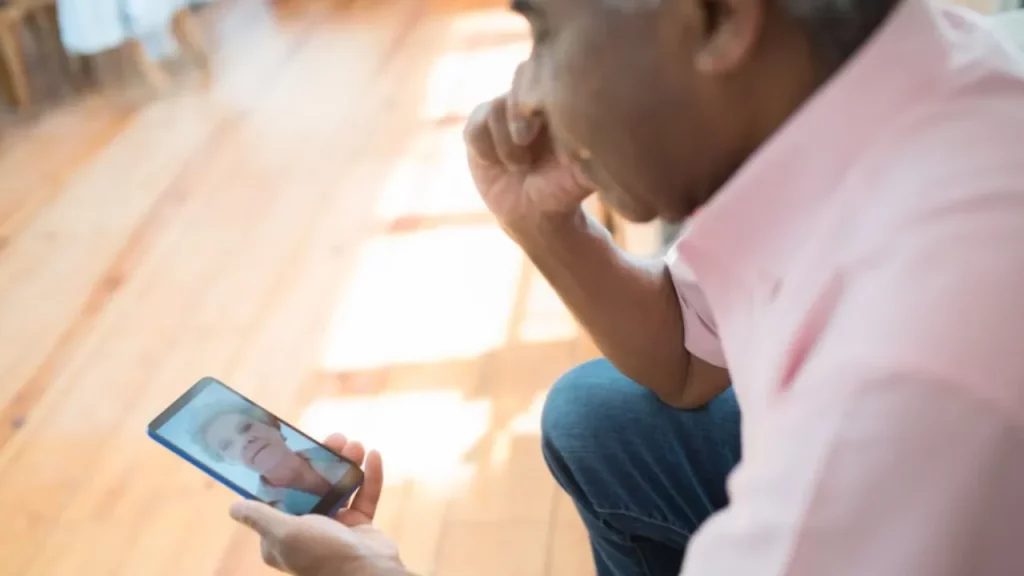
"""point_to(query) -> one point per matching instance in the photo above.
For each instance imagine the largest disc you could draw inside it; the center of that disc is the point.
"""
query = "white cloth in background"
(1011, 24)
(93, 26)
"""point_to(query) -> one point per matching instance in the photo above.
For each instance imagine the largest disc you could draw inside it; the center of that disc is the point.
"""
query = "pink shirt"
(862, 277)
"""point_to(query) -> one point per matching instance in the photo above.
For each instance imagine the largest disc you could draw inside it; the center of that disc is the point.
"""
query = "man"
(860, 259)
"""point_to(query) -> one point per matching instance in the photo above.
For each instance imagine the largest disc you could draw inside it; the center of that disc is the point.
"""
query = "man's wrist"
(540, 234)
(388, 568)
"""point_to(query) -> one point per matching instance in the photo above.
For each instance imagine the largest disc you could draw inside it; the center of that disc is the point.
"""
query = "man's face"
(617, 88)
(651, 97)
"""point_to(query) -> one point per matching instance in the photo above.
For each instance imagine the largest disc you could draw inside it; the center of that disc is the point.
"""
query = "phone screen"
(254, 452)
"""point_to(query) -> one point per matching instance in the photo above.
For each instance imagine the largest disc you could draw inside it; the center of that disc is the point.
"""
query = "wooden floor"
(304, 228)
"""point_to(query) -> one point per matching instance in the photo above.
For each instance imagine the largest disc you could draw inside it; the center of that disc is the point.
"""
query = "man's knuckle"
(291, 538)
(268, 554)
(477, 119)
(499, 109)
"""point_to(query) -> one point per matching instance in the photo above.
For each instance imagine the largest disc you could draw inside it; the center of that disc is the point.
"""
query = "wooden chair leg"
(6, 82)
(83, 69)
(39, 34)
(14, 62)
(48, 26)
(151, 70)
(187, 33)
(6, 86)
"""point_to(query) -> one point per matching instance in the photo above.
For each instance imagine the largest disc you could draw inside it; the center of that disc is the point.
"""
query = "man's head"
(661, 100)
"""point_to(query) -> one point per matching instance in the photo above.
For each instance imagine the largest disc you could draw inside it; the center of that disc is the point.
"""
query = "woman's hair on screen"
(211, 414)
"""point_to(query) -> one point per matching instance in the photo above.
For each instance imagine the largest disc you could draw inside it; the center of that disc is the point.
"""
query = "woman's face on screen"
(241, 439)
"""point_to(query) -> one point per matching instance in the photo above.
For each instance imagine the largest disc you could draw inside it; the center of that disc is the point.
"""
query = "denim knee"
(584, 416)
(572, 406)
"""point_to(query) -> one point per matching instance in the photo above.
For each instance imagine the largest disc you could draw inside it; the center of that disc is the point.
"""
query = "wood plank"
(36, 166)
(189, 274)
(48, 272)
(498, 548)
(569, 545)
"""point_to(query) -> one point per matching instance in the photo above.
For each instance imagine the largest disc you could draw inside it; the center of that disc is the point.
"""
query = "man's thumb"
(267, 521)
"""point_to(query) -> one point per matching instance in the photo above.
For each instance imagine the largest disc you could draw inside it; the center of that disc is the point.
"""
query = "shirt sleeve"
(897, 449)
(700, 332)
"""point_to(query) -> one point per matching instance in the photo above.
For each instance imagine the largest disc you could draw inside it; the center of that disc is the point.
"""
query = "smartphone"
(253, 452)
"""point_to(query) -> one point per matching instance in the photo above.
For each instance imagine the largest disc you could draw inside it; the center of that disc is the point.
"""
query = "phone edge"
(182, 400)
(202, 467)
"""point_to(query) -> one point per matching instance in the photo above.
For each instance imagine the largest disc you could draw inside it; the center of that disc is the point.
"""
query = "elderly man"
(853, 285)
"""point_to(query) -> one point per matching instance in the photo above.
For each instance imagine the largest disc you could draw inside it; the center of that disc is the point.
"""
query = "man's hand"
(312, 545)
(514, 163)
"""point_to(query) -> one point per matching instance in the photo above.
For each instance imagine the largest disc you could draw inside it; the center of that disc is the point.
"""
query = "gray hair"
(203, 426)
(837, 28)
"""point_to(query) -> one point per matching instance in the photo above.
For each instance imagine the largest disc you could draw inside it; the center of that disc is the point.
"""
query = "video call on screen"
(252, 449)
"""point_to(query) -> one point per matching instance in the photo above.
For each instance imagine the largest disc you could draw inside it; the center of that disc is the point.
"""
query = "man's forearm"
(629, 306)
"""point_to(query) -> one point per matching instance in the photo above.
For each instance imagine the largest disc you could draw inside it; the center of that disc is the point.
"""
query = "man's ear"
(732, 29)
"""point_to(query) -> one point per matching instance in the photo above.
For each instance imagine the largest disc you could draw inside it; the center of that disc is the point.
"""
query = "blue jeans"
(643, 475)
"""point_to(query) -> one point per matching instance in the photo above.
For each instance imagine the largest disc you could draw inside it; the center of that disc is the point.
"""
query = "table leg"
(6, 86)
(187, 33)
(150, 69)
(49, 28)
(14, 62)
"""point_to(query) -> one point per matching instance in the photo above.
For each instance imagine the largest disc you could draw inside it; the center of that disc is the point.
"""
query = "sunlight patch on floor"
(493, 22)
(432, 179)
(461, 80)
(427, 296)
(464, 77)
(544, 318)
(525, 424)
(424, 436)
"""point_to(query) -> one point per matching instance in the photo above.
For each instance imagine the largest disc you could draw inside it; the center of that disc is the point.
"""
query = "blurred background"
(274, 194)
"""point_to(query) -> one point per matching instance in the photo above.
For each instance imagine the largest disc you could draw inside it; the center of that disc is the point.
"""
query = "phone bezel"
(336, 498)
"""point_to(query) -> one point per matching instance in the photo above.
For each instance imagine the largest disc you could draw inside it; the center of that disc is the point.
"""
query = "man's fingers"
(336, 443)
(266, 521)
(270, 556)
(510, 153)
(478, 135)
(523, 121)
(524, 129)
(368, 496)
(354, 451)
(341, 446)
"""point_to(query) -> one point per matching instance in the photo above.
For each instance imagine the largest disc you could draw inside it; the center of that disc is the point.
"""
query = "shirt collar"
(764, 212)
